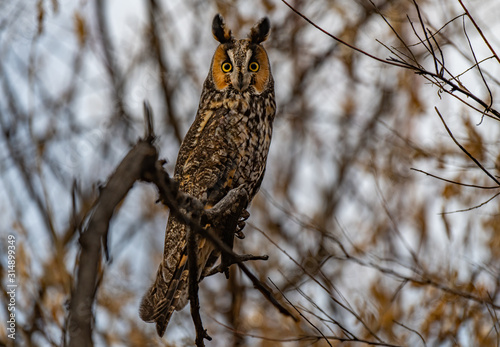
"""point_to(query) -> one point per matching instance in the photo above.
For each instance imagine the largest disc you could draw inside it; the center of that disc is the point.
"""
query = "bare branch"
(154, 10)
(310, 338)
(201, 333)
(403, 64)
(479, 30)
(114, 73)
(348, 309)
(473, 207)
(478, 66)
(413, 331)
(429, 44)
(389, 62)
(121, 181)
(300, 313)
(464, 150)
(454, 182)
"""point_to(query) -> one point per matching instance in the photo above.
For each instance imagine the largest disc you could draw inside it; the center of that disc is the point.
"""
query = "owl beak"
(239, 82)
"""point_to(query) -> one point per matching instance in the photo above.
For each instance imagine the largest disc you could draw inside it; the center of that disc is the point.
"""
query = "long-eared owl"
(225, 148)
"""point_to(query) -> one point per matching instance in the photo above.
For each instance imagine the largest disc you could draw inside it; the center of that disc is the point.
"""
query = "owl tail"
(163, 298)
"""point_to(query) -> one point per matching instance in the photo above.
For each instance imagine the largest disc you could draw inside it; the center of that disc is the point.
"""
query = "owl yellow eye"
(226, 67)
(254, 67)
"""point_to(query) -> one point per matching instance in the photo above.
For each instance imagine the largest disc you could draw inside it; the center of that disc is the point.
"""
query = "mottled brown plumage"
(226, 147)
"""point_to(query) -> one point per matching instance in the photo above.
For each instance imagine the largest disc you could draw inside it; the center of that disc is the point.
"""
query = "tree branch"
(142, 155)
(464, 150)
(436, 77)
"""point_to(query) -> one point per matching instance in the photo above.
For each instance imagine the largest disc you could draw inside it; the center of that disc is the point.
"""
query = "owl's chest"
(233, 142)
(249, 135)
(246, 127)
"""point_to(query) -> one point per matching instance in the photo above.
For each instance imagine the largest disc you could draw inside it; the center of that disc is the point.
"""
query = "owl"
(226, 147)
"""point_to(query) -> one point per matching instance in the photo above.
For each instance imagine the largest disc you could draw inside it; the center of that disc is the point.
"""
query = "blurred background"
(361, 244)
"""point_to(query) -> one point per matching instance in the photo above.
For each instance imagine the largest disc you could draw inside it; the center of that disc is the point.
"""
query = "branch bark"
(131, 169)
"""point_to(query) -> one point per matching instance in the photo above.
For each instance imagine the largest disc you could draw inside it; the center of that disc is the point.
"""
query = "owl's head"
(241, 64)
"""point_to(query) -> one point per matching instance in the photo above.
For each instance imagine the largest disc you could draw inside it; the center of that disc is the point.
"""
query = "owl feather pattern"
(225, 148)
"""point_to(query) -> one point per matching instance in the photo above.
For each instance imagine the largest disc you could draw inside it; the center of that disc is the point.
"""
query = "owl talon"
(241, 224)
(244, 215)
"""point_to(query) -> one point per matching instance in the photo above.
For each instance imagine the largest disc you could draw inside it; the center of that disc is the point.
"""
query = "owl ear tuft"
(219, 30)
(260, 31)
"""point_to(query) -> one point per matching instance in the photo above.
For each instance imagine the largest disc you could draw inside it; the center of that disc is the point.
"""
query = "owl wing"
(205, 169)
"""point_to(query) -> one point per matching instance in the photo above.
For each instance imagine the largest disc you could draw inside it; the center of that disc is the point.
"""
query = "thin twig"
(154, 10)
(473, 207)
(394, 31)
(455, 182)
(330, 319)
(464, 150)
(413, 331)
(440, 74)
(423, 281)
(300, 313)
(384, 61)
(312, 338)
(402, 64)
(479, 30)
(431, 49)
(112, 68)
(348, 309)
(478, 66)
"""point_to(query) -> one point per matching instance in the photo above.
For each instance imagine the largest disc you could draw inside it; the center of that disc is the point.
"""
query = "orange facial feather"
(262, 75)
